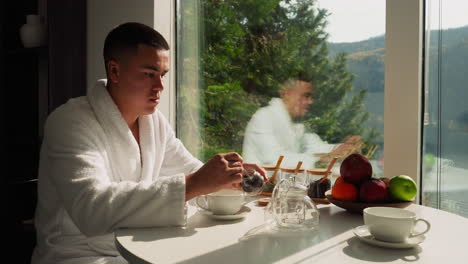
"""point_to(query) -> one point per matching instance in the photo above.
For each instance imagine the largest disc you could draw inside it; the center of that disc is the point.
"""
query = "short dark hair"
(126, 37)
(291, 84)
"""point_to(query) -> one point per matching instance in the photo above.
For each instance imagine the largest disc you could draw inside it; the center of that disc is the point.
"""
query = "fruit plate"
(358, 207)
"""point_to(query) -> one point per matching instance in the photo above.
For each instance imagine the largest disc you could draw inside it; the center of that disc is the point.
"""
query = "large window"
(233, 58)
(268, 78)
(445, 155)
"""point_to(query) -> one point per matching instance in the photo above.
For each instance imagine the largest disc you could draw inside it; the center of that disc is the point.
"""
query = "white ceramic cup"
(392, 224)
(223, 202)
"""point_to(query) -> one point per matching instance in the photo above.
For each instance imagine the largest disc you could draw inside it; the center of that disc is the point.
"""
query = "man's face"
(140, 79)
(298, 99)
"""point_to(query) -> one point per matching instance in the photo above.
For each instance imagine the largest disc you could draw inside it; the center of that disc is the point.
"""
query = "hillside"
(449, 71)
(449, 37)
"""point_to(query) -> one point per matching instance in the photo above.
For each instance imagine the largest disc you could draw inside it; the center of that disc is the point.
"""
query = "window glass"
(295, 78)
(445, 148)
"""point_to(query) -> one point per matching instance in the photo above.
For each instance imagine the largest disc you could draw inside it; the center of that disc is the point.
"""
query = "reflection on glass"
(278, 129)
(445, 170)
(236, 59)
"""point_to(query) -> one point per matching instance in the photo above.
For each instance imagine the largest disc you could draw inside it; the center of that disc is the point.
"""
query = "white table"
(204, 240)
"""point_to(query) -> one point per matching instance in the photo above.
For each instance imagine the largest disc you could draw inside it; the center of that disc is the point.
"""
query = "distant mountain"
(449, 72)
(366, 58)
(373, 43)
(449, 37)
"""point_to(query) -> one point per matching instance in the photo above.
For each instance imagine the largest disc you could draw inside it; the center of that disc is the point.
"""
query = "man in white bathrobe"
(276, 129)
(110, 160)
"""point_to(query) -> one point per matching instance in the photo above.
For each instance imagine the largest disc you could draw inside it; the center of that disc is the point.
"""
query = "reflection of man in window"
(276, 129)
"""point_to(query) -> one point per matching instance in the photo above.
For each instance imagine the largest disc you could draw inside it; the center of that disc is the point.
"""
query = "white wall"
(103, 15)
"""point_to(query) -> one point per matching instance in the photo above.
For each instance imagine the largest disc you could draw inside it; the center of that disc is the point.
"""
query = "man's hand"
(221, 171)
(350, 145)
(354, 140)
(342, 150)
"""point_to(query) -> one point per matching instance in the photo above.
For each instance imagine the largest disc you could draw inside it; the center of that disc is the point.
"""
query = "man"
(276, 130)
(110, 160)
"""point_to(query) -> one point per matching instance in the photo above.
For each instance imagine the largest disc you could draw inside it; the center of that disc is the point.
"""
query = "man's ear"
(113, 70)
(283, 92)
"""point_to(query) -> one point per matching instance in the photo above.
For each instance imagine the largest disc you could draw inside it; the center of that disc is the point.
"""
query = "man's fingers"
(232, 164)
(236, 178)
(353, 139)
(234, 170)
(257, 168)
(233, 156)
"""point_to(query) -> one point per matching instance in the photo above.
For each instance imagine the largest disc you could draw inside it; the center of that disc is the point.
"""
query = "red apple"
(356, 169)
(373, 191)
(385, 179)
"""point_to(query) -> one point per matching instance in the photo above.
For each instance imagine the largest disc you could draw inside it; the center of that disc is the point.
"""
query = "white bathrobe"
(271, 133)
(93, 179)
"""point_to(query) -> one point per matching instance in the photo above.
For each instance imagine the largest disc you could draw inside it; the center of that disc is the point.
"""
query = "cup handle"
(428, 227)
(202, 205)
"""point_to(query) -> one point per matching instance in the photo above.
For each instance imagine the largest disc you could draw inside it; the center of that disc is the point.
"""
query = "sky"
(347, 23)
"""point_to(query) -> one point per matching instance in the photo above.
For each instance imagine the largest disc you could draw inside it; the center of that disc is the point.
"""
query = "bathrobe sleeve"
(269, 135)
(262, 144)
(314, 144)
(97, 205)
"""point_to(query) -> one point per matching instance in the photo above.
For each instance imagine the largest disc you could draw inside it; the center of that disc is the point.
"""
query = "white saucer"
(239, 215)
(362, 232)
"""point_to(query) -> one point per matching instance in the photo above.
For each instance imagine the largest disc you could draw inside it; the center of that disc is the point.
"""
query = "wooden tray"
(321, 200)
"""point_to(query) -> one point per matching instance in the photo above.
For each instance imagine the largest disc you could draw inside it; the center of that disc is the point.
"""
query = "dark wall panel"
(67, 47)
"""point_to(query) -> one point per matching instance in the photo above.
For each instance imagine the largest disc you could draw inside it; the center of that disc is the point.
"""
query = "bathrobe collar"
(133, 164)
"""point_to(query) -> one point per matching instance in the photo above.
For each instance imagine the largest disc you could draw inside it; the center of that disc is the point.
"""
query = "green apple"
(402, 188)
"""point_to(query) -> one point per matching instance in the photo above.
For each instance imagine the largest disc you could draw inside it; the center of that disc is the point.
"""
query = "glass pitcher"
(291, 208)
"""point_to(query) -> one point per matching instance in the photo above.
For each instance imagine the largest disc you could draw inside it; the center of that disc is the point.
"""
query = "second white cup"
(392, 224)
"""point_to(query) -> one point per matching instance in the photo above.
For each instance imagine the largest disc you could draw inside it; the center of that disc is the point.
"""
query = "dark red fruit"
(356, 169)
(318, 188)
(373, 191)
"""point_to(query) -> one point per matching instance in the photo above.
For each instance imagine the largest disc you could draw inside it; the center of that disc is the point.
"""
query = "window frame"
(165, 11)
(403, 88)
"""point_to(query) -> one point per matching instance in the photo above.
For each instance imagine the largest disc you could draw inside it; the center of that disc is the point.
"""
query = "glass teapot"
(291, 208)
